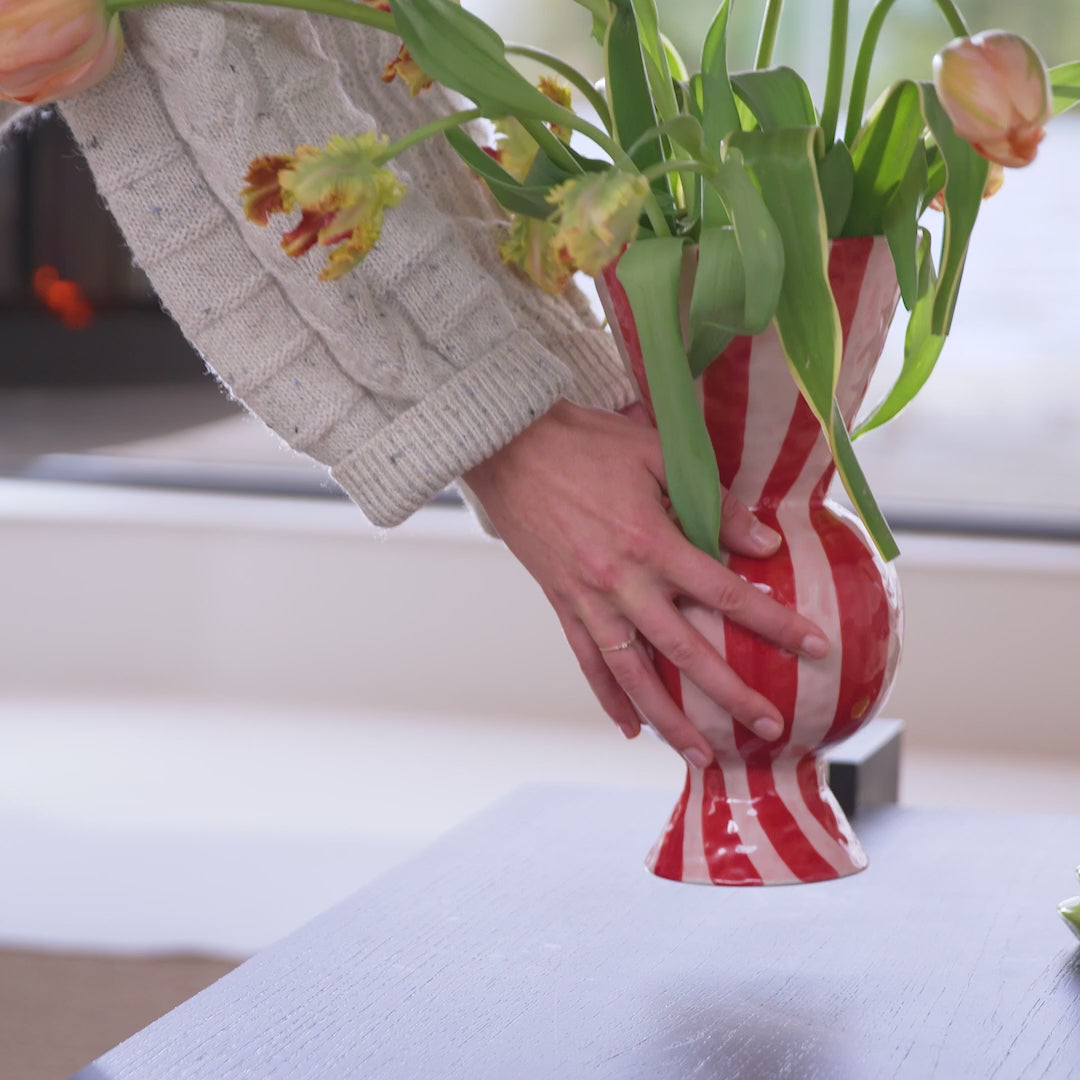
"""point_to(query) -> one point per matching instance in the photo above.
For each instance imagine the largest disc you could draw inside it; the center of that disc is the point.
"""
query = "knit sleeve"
(9, 117)
(406, 372)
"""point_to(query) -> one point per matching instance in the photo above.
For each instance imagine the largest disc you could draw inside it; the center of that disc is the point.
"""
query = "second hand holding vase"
(763, 813)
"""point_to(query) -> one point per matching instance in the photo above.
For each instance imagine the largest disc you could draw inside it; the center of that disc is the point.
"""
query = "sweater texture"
(406, 372)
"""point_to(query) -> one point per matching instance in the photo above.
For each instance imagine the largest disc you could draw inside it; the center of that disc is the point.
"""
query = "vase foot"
(765, 823)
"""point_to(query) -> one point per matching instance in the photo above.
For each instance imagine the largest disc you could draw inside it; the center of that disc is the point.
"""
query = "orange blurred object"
(64, 299)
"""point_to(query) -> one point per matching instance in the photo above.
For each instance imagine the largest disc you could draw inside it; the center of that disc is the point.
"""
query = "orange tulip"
(53, 49)
(996, 90)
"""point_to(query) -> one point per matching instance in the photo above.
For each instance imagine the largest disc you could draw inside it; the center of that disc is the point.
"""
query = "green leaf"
(1070, 912)
(656, 61)
(719, 113)
(1065, 83)
(509, 193)
(901, 222)
(632, 111)
(777, 97)
(882, 154)
(676, 64)
(922, 346)
(858, 488)
(464, 54)
(964, 185)
(685, 130)
(784, 163)
(719, 297)
(760, 241)
(650, 271)
(836, 176)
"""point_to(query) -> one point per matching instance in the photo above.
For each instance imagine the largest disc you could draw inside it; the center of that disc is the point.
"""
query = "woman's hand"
(579, 499)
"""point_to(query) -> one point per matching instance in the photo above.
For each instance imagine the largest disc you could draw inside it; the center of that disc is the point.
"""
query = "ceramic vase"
(763, 813)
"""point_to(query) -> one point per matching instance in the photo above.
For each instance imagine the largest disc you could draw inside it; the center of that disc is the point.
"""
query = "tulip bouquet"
(743, 165)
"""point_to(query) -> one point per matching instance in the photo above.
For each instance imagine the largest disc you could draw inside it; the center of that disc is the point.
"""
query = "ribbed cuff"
(431, 444)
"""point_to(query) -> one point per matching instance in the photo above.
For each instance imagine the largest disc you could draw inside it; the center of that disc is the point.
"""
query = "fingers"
(671, 634)
(632, 669)
(603, 684)
(742, 533)
(694, 574)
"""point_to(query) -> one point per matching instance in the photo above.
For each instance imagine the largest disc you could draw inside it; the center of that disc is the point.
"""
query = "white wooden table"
(530, 943)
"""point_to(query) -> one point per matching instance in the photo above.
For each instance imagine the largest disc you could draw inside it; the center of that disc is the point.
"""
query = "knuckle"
(683, 653)
(729, 594)
(602, 573)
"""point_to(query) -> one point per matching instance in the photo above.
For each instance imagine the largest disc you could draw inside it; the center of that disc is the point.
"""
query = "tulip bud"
(597, 215)
(53, 49)
(996, 90)
(1070, 912)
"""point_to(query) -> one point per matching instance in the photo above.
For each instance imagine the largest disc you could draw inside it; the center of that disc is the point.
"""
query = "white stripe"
(754, 843)
(771, 400)
(717, 725)
(694, 865)
(818, 689)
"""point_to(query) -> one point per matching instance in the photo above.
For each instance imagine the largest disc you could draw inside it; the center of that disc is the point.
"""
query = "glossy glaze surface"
(763, 813)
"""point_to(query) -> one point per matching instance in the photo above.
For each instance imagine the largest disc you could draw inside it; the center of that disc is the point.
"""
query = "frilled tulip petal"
(597, 215)
(263, 194)
(532, 247)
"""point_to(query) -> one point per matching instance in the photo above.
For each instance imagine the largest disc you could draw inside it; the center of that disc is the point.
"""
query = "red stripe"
(727, 865)
(623, 324)
(669, 858)
(811, 793)
(726, 386)
(865, 625)
(775, 674)
(849, 258)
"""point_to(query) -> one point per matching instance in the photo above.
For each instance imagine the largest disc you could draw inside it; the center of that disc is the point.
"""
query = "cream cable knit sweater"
(408, 371)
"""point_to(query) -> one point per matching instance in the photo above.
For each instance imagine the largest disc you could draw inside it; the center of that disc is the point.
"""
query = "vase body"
(763, 814)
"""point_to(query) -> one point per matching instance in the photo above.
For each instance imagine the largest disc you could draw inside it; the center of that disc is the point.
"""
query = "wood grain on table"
(531, 944)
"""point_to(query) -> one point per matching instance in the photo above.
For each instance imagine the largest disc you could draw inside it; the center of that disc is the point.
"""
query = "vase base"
(763, 823)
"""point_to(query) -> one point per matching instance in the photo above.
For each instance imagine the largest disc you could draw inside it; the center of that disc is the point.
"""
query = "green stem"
(767, 42)
(344, 9)
(953, 17)
(570, 74)
(861, 79)
(834, 85)
(664, 168)
(551, 144)
(871, 36)
(436, 127)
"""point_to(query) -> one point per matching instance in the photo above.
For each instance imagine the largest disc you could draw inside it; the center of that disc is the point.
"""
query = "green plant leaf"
(508, 192)
(1065, 82)
(464, 54)
(650, 271)
(760, 242)
(684, 130)
(836, 176)
(881, 155)
(922, 346)
(965, 182)
(901, 221)
(719, 113)
(632, 111)
(784, 163)
(676, 64)
(777, 97)
(858, 488)
(718, 299)
(656, 61)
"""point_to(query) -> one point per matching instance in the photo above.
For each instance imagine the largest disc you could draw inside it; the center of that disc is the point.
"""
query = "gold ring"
(622, 644)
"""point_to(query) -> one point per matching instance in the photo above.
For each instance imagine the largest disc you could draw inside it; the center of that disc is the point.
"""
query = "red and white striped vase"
(763, 813)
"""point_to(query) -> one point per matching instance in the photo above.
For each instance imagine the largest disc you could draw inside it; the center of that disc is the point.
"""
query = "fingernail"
(628, 731)
(698, 758)
(815, 646)
(768, 729)
(764, 538)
